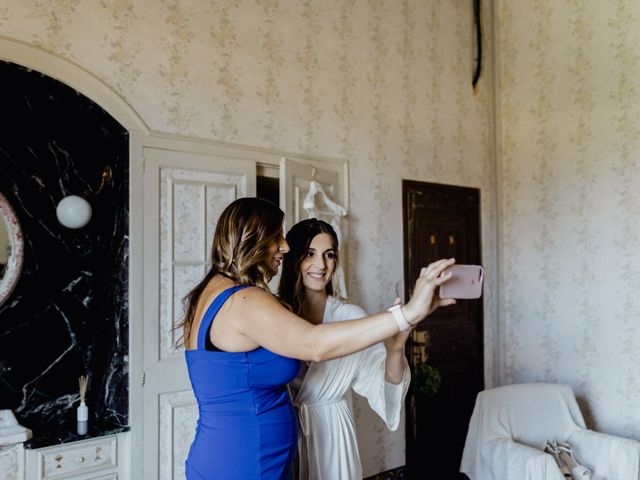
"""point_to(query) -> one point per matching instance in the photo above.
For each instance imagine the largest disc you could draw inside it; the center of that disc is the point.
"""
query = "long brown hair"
(245, 230)
(299, 238)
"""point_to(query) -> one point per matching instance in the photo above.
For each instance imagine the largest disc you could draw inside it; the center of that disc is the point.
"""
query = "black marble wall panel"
(68, 314)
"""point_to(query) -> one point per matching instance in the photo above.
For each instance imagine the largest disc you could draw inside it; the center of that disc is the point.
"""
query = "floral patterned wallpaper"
(385, 84)
(569, 139)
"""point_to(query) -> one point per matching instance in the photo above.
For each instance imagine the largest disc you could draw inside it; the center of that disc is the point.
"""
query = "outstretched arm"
(267, 323)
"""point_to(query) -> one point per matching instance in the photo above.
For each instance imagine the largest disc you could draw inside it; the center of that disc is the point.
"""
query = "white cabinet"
(101, 458)
(94, 459)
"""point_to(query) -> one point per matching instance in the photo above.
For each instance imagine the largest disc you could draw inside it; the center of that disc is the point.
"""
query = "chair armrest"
(502, 458)
(607, 455)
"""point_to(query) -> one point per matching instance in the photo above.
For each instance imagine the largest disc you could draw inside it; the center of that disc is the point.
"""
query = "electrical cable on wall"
(476, 19)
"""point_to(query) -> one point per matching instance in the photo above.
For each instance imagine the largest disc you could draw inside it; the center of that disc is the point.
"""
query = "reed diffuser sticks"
(82, 414)
(83, 381)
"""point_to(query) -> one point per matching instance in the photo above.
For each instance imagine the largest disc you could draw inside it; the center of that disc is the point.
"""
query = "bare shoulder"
(241, 317)
(243, 298)
(214, 288)
(255, 311)
(253, 294)
(253, 300)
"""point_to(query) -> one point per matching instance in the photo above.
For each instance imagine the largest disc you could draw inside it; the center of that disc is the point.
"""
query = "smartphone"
(465, 282)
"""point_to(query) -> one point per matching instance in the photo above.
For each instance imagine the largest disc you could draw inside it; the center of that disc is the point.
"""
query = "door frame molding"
(74, 76)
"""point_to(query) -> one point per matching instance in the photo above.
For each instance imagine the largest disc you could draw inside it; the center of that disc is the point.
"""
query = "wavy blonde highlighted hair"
(245, 230)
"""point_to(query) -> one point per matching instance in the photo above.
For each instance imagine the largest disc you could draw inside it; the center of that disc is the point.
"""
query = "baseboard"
(399, 473)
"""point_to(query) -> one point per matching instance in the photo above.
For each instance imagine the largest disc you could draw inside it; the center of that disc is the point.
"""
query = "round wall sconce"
(74, 211)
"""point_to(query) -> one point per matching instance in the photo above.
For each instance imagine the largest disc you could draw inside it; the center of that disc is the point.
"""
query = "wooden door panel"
(443, 222)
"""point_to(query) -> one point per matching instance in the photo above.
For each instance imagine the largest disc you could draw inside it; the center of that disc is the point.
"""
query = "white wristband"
(401, 320)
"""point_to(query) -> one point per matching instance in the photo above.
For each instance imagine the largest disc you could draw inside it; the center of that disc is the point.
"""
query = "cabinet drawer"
(78, 458)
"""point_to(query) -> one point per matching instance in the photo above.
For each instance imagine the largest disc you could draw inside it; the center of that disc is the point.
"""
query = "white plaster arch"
(74, 76)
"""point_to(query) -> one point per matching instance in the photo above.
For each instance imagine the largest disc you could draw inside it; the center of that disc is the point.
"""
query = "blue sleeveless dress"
(247, 426)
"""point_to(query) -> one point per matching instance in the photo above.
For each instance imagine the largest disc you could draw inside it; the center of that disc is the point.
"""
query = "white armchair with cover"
(510, 426)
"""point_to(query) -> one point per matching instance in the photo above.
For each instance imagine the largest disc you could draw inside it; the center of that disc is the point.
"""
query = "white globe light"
(73, 211)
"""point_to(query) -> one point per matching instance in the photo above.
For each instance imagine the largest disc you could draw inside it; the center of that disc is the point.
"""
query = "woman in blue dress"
(243, 345)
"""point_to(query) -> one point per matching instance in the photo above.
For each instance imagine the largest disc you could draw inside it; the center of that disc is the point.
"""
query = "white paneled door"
(184, 194)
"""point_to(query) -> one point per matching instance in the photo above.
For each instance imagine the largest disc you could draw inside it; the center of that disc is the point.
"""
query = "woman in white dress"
(327, 444)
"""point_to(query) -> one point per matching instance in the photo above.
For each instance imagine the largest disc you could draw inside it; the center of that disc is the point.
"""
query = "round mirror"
(11, 249)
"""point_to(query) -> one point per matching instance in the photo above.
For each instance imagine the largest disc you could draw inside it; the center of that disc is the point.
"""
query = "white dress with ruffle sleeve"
(328, 448)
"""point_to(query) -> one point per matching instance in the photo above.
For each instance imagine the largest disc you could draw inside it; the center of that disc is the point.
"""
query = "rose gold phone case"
(465, 282)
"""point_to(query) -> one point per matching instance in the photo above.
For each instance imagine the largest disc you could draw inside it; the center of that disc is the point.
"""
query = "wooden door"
(440, 222)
